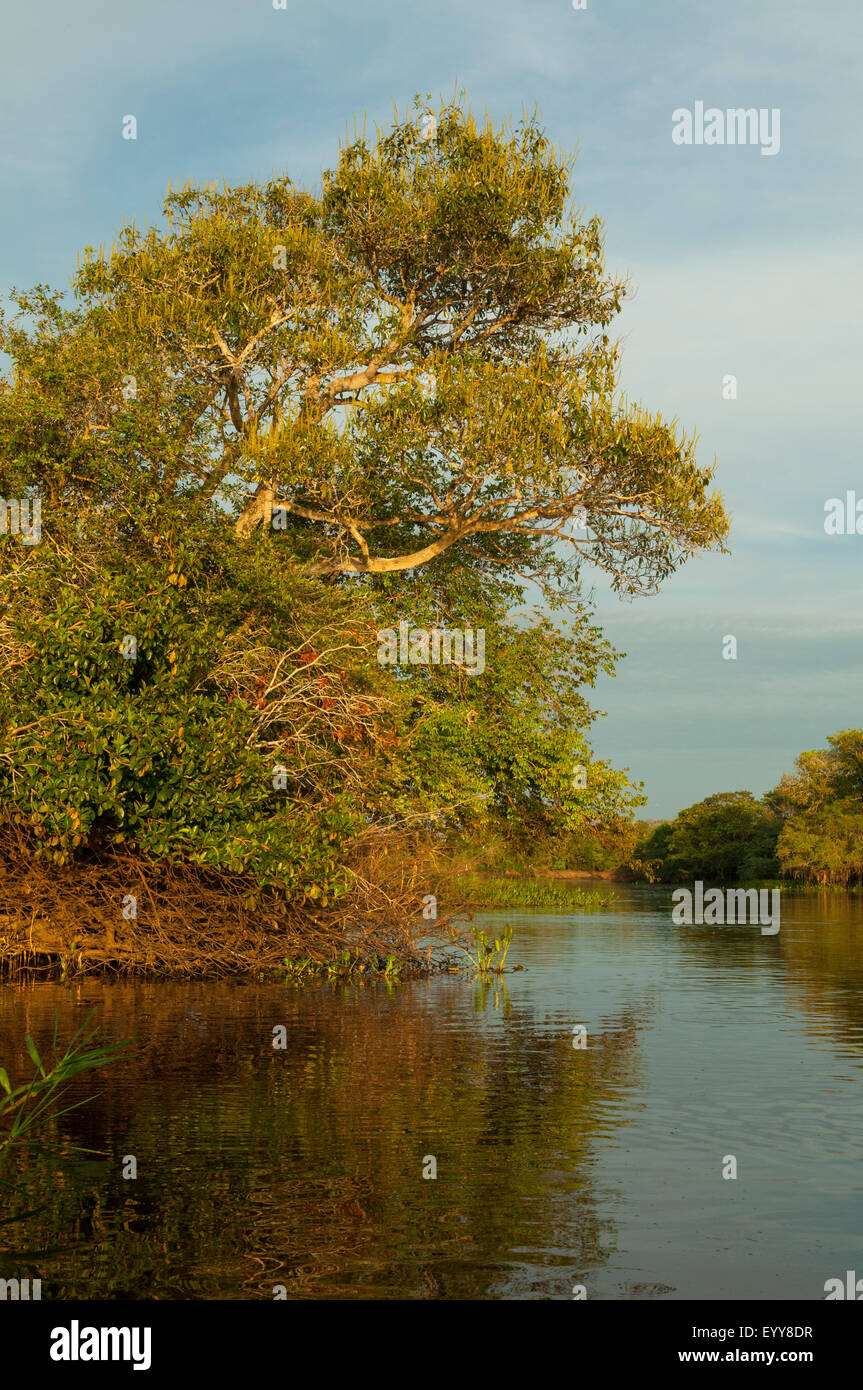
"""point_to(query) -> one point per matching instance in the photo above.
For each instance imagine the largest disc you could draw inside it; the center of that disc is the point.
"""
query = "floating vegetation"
(517, 892)
(348, 967)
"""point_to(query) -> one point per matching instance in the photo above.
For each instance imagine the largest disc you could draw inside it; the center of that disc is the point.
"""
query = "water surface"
(556, 1166)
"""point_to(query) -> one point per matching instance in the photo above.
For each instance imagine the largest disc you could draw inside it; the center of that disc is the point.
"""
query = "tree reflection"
(304, 1167)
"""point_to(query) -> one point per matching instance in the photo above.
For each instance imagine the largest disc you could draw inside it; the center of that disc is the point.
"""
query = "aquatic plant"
(32, 1104)
(348, 966)
(505, 892)
(490, 957)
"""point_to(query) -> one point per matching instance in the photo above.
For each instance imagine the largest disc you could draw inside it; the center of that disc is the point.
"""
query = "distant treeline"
(809, 827)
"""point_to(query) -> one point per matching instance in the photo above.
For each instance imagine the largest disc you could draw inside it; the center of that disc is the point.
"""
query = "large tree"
(279, 419)
(820, 805)
(414, 361)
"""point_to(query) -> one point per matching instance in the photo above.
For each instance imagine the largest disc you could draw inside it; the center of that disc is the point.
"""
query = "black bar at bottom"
(224, 1340)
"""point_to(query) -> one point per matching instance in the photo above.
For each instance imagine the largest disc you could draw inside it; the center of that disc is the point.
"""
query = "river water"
(301, 1171)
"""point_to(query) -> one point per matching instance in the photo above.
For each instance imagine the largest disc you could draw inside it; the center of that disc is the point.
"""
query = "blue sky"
(741, 263)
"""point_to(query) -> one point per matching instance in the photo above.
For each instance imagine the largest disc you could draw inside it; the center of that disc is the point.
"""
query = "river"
(306, 1171)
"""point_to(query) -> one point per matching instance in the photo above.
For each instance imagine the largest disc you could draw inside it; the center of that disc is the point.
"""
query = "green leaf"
(34, 1055)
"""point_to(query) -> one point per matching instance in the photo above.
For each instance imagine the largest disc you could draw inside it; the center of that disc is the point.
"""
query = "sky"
(742, 263)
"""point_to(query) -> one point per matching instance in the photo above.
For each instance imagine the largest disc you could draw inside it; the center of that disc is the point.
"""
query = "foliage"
(603, 847)
(728, 836)
(173, 751)
(821, 810)
(809, 827)
(500, 748)
(279, 422)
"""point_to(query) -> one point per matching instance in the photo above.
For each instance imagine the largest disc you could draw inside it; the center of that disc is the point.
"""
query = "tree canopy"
(820, 806)
(415, 360)
(809, 827)
(280, 420)
(728, 836)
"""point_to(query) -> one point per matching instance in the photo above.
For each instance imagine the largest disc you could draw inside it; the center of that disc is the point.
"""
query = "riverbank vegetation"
(527, 892)
(255, 436)
(808, 829)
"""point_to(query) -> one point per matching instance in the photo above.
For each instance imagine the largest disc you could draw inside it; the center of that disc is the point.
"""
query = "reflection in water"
(304, 1167)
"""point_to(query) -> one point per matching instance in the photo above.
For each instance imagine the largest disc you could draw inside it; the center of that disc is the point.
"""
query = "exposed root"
(190, 922)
